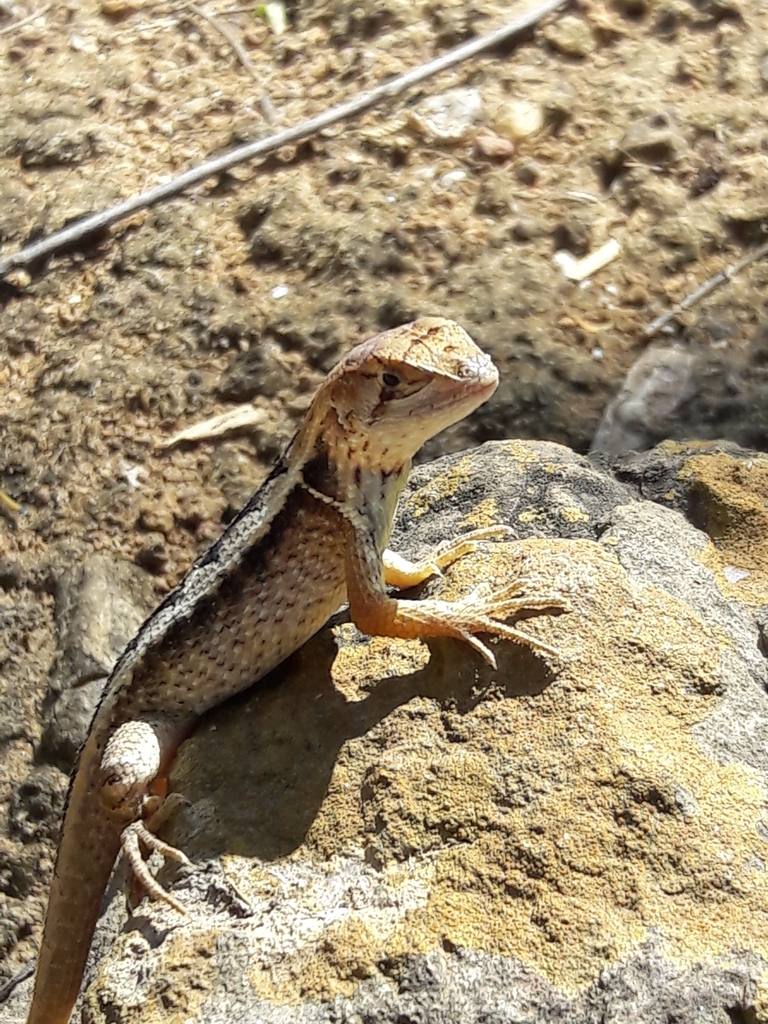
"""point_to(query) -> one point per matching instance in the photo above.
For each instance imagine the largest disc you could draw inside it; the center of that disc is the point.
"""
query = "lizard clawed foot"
(511, 599)
(482, 610)
(136, 834)
(485, 608)
(452, 550)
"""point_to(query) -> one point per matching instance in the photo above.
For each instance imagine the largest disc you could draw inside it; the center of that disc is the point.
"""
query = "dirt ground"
(654, 132)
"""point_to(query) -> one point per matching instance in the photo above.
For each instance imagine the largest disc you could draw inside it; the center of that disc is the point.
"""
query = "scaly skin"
(83, 865)
(313, 535)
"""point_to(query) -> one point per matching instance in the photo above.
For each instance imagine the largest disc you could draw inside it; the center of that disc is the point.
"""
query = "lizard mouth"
(450, 401)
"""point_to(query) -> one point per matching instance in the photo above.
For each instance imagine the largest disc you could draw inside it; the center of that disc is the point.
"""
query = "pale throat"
(369, 493)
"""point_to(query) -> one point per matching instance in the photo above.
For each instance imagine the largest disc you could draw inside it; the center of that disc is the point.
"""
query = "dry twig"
(265, 103)
(21, 975)
(343, 111)
(705, 289)
(25, 21)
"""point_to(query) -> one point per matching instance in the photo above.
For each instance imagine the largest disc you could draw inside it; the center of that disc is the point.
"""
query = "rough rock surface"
(699, 390)
(100, 604)
(396, 832)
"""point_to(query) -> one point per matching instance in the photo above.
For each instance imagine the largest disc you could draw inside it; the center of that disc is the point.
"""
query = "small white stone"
(131, 473)
(518, 119)
(279, 291)
(734, 574)
(453, 178)
(449, 116)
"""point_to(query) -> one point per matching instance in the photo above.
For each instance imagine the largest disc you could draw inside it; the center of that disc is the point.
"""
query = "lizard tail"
(90, 842)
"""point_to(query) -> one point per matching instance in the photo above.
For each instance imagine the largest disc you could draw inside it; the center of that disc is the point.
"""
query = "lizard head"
(395, 391)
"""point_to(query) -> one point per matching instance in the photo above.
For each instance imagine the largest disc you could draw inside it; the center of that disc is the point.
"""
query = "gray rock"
(643, 411)
(57, 142)
(654, 138)
(707, 390)
(99, 606)
(400, 832)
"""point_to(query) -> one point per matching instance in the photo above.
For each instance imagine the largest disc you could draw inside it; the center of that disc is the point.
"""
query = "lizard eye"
(399, 384)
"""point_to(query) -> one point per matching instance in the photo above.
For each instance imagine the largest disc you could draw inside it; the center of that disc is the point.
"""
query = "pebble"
(571, 36)
(449, 116)
(735, 575)
(490, 144)
(655, 138)
(529, 172)
(518, 119)
(453, 178)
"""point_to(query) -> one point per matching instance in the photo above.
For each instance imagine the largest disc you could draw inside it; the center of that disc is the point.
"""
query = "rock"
(524, 229)
(518, 119)
(680, 393)
(528, 172)
(421, 837)
(643, 411)
(570, 35)
(449, 116)
(748, 220)
(721, 488)
(100, 605)
(57, 142)
(493, 146)
(654, 138)
(573, 234)
(495, 195)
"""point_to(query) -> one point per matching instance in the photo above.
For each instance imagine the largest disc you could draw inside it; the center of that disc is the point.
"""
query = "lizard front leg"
(400, 572)
(483, 610)
(135, 756)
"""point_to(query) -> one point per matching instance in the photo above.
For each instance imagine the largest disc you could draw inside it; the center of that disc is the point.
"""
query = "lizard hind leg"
(130, 767)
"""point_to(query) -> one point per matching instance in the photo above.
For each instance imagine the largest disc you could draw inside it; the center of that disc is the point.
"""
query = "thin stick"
(238, 10)
(705, 289)
(343, 111)
(25, 21)
(265, 103)
(21, 975)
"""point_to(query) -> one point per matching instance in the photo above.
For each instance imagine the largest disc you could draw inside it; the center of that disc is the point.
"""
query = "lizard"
(314, 534)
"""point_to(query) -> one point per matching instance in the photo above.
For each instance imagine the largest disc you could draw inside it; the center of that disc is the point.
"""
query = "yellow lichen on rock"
(404, 803)
(730, 498)
(559, 827)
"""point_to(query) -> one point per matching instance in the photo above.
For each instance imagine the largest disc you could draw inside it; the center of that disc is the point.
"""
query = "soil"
(654, 132)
